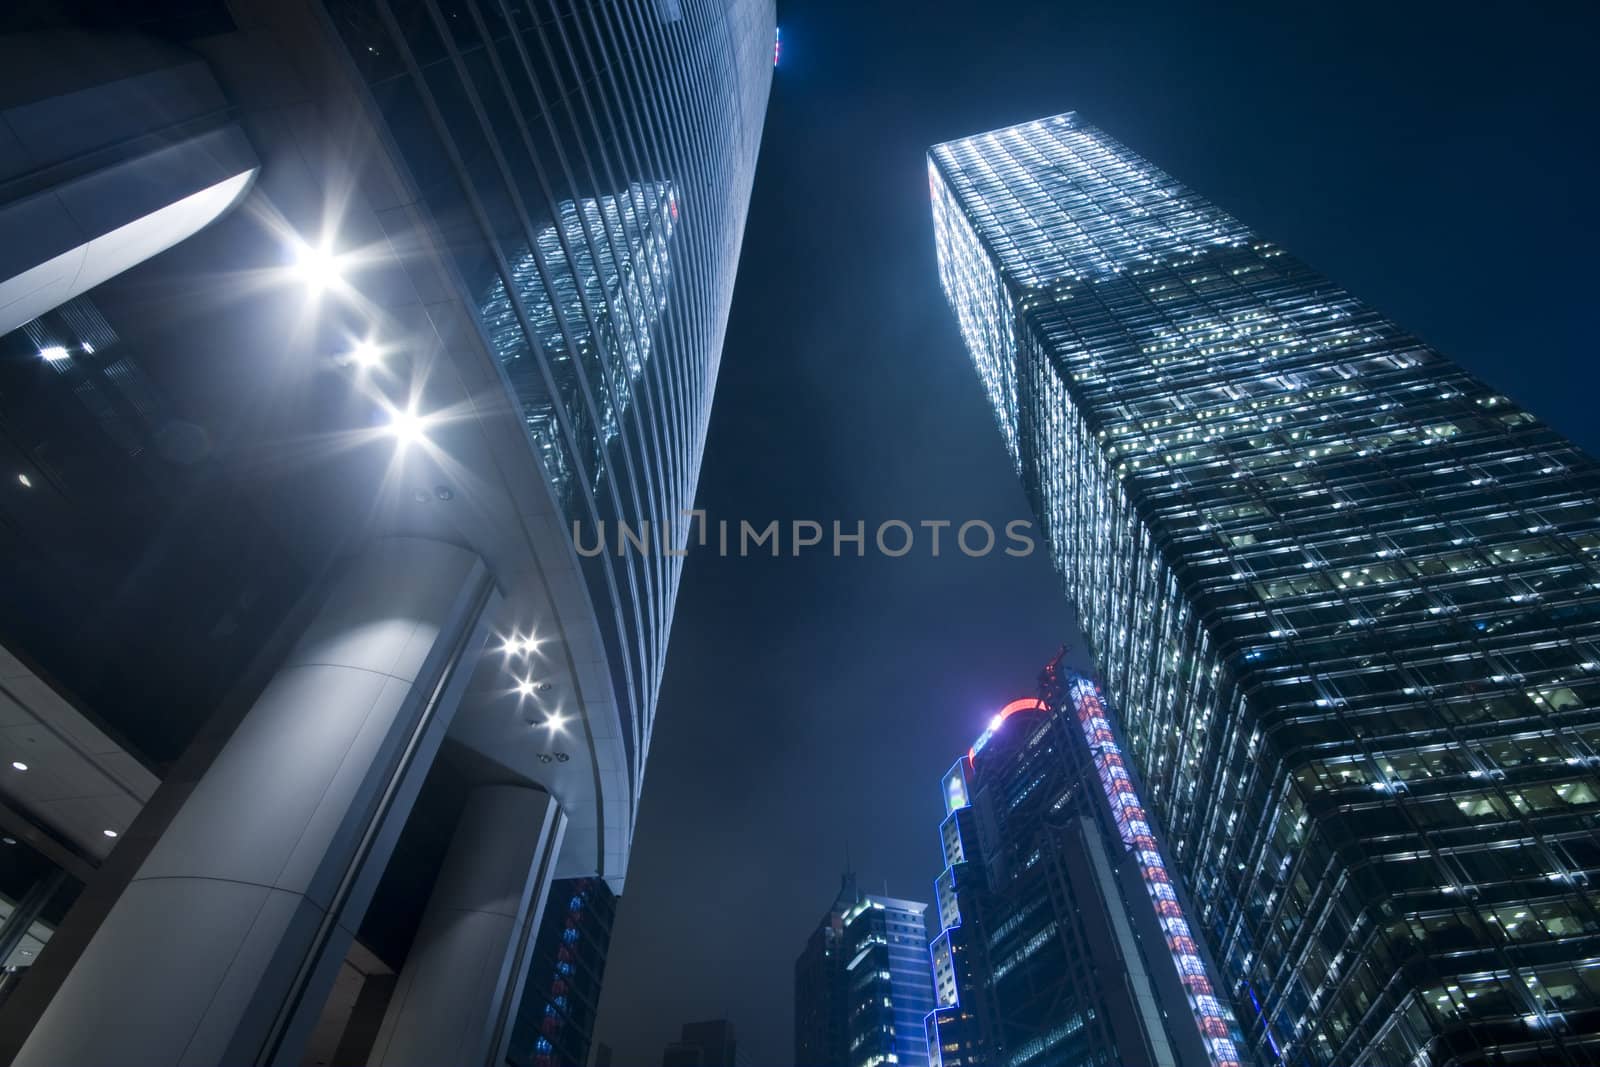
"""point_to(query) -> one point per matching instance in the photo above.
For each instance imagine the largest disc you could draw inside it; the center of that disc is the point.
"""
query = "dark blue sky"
(1434, 160)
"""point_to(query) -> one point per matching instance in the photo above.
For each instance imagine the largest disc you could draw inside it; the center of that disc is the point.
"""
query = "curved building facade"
(588, 168)
(352, 327)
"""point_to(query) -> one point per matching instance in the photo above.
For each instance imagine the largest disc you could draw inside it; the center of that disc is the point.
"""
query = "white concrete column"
(224, 946)
(462, 981)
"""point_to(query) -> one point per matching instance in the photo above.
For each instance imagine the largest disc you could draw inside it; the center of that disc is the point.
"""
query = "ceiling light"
(515, 645)
(554, 722)
(525, 687)
(27, 482)
(407, 426)
(17, 764)
(8, 840)
(109, 833)
(316, 266)
(365, 354)
(52, 353)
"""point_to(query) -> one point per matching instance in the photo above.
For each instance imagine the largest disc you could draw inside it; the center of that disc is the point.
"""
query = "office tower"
(1063, 938)
(1342, 592)
(555, 1024)
(328, 328)
(820, 1038)
(887, 990)
(703, 1044)
(861, 986)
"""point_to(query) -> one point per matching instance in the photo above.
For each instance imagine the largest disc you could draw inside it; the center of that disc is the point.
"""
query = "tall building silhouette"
(325, 329)
(1063, 934)
(1343, 593)
(820, 1037)
(711, 1043)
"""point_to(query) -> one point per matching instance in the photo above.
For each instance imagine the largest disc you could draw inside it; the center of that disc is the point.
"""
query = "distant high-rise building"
(861, 987)
(1063, 937)
(1346, 596)
(703, 1044)
(819, 1000)
(555, 1023)
(682, 1054)
(887, 988)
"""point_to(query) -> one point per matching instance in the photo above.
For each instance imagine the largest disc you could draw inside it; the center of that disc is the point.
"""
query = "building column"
(224, 945)
(458, 992)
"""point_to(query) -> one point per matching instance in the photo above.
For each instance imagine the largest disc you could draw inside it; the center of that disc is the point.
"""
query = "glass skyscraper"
(1063, 937)
(861, 986)
(1345, 595)
(887, 989)
(588, 169)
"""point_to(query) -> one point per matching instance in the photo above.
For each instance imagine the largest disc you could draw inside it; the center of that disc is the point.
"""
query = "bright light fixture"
(365, 354)
(53, 353)
(316, 266)
(27, 482)
(525, 687)
(554, 722)
(515, 646)
(407, 426)
(17, 764)
(109, 833)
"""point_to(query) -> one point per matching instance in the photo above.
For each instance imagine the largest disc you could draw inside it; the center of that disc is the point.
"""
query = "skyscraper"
(1344, 594)
(1063, 938)
(819, 996)
(861, 986)
(555, 1024)
(327, 326)
(887, 989)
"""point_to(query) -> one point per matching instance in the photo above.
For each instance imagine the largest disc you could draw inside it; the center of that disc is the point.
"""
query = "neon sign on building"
(1134, 827)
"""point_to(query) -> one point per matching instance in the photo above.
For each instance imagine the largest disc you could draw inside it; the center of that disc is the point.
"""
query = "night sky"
(1435, 161)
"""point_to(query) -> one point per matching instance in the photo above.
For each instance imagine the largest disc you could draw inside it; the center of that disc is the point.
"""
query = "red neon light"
(1135, 830)
(1025, 704)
